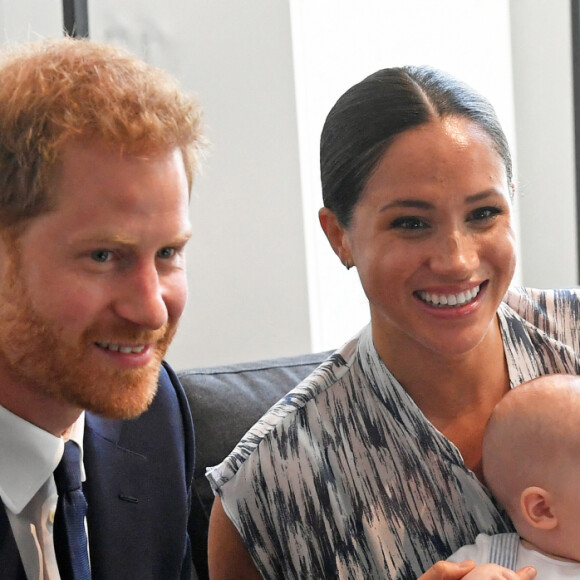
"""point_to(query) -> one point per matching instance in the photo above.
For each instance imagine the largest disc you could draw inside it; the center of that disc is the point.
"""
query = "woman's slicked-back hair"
(369, 115)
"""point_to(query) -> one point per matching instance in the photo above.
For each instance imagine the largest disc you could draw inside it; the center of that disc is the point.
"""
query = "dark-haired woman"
(371, 468)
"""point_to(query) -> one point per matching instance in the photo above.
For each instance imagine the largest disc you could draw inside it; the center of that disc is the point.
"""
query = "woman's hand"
(469, 571)
(495, 572)
(448, 570)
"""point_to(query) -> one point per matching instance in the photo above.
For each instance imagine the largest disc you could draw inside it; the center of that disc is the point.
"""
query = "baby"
(531, 463)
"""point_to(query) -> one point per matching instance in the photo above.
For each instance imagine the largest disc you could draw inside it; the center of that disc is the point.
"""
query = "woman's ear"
(336, 234)
(537, 508)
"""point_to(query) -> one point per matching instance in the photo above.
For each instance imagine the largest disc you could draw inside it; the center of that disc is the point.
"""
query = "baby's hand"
(468, 571)
(495, 572)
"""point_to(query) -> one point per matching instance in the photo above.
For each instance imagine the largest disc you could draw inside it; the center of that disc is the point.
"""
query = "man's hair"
(55, 90)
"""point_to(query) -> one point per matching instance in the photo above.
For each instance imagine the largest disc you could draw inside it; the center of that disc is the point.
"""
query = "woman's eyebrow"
(412, 203)
(483, 195)
(426, 205)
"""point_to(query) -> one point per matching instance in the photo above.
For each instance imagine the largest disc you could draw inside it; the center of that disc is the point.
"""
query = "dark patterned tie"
(70, 539)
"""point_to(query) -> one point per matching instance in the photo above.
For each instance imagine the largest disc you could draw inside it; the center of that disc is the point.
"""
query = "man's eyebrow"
(184, 237)
(123, 240)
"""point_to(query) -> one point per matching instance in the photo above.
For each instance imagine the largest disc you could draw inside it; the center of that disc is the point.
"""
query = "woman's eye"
(166, 253)
(409, 223)
(101, 255)
(484, 214)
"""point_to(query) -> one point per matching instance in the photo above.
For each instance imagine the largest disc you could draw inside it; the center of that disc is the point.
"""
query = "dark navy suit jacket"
(140, 496)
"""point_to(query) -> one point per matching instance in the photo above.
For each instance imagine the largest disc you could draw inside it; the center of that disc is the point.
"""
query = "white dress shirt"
(28, 457)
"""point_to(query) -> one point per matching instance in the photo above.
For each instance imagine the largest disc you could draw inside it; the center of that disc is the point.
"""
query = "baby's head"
(531, 462)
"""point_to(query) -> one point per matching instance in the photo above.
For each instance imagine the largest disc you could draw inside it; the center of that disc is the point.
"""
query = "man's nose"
(141, 297)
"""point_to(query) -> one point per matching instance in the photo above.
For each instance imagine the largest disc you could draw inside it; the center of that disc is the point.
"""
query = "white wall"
(247, 268)
(542, 63)
(22, 20)
(339, 42)
(263, 280)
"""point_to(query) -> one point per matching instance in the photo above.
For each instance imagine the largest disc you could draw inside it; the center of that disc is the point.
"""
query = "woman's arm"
(228, 557)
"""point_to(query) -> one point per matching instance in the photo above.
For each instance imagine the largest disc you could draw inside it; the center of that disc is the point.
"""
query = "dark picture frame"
(76, 18)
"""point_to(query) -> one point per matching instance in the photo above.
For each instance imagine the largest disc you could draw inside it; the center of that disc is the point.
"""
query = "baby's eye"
(101, 255)
(409, 223)
(166, 253)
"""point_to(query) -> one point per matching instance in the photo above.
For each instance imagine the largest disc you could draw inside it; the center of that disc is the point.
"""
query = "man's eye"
(166, 253)
(409, 223)
(101, 255)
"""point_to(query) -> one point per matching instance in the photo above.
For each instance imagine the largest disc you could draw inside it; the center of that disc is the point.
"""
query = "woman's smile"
(434, 224)
(448, 300)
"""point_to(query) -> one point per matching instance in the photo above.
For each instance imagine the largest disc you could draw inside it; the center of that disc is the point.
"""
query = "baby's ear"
(537, 508)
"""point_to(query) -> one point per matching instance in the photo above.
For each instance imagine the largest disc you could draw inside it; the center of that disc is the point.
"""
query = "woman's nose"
(455, 254)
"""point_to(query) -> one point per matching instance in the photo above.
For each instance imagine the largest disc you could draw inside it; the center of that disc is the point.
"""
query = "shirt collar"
(28, 456)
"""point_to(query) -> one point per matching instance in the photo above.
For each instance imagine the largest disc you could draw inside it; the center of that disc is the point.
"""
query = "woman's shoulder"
(541, 330)
(278, 420)
(537, 305)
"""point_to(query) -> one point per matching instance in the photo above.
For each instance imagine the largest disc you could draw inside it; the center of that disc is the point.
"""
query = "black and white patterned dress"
(346, 478)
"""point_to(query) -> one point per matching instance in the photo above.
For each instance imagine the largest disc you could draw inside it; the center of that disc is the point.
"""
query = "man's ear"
(537, 508)
(336, 235)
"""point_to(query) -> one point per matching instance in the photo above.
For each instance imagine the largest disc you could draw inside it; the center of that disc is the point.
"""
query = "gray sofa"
(226, 401)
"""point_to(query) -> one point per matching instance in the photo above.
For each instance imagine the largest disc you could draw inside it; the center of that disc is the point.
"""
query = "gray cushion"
(227, 400)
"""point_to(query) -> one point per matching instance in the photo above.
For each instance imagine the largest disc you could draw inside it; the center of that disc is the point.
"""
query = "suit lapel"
(117, 492)
(138, 480)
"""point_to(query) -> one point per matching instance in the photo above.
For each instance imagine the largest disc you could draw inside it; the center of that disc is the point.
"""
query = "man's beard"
(36, 354)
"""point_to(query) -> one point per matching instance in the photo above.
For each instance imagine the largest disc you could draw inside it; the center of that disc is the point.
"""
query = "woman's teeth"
(449, 299)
